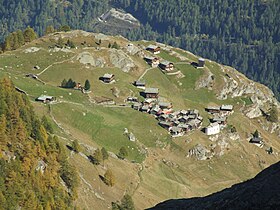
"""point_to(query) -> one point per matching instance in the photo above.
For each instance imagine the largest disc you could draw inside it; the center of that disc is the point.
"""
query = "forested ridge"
(33, 164)
(243, 34)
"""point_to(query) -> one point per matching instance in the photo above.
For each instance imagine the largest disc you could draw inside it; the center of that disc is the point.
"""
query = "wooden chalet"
(153, 49)
(145, 108)
(165, 125)
(151, 92)
(139, 84)
(219, 120)
(152, 61)
(226, 108)
(108, 78)
(213, 109)
(165, 105)
(137, 106)
(166, 65)
(155, 110)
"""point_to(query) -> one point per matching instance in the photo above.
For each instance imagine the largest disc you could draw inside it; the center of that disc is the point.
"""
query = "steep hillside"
(34, 171)
(261, 192)
(244, 34)
(157, 167)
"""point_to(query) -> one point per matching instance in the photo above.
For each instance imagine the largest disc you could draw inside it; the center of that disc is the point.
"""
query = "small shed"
(257, 141)
(166, 65)
(140, 84)
(201, 63)
(153, 49)
(45, 99)
(151, 92)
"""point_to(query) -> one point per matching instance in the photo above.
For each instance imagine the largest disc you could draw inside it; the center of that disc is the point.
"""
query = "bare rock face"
(230, 86)
(261, 192)
(199, 152)
(121, 60)
(253, 111)
(206, 81)
(132, 49)
(88, 59)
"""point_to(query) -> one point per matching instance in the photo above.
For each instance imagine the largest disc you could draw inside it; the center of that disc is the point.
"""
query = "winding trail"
(145, 73)
(55, 63)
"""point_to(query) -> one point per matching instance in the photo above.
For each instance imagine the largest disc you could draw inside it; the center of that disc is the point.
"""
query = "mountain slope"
(158, 167)
(261, 192)
(34, 171)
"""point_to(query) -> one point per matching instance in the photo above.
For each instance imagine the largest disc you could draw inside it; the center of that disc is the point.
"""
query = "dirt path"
(55, 63)
(144, 73)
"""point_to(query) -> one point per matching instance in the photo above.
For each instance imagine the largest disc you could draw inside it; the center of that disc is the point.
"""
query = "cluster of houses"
(177, 123)
(219, 118)
(164, 65)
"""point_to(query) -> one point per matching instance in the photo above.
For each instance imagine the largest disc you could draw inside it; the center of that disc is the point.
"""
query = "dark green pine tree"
(87, 85)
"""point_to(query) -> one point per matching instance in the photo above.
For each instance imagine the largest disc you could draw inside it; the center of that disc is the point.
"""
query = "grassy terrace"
(106, 126)
(166, 56)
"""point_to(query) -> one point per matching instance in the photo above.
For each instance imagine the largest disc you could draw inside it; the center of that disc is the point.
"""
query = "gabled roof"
(108, 76)
(44, 97)
(201, 59)
(165, 63)
(212, 125)
(226, 107)
(256, 140)
(151, 90)
(145, 107)
(164, 104)
(176, 129)
(218, 119)
(163, 123)
(149, 58)
(140, 83)
(153, 47)
(213, 108)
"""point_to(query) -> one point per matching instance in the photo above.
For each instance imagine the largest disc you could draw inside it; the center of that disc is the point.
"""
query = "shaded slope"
(261, 192)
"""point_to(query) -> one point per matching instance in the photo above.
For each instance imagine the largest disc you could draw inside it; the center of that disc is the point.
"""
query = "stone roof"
(164, 104)
(140, 83)
(44, 97)
(151, 90)
(151, 46)
(226, 107)
(165, 63)
(108, 76)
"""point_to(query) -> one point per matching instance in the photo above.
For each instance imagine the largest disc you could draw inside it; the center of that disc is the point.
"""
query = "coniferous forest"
(33, 163)
(243, 34)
